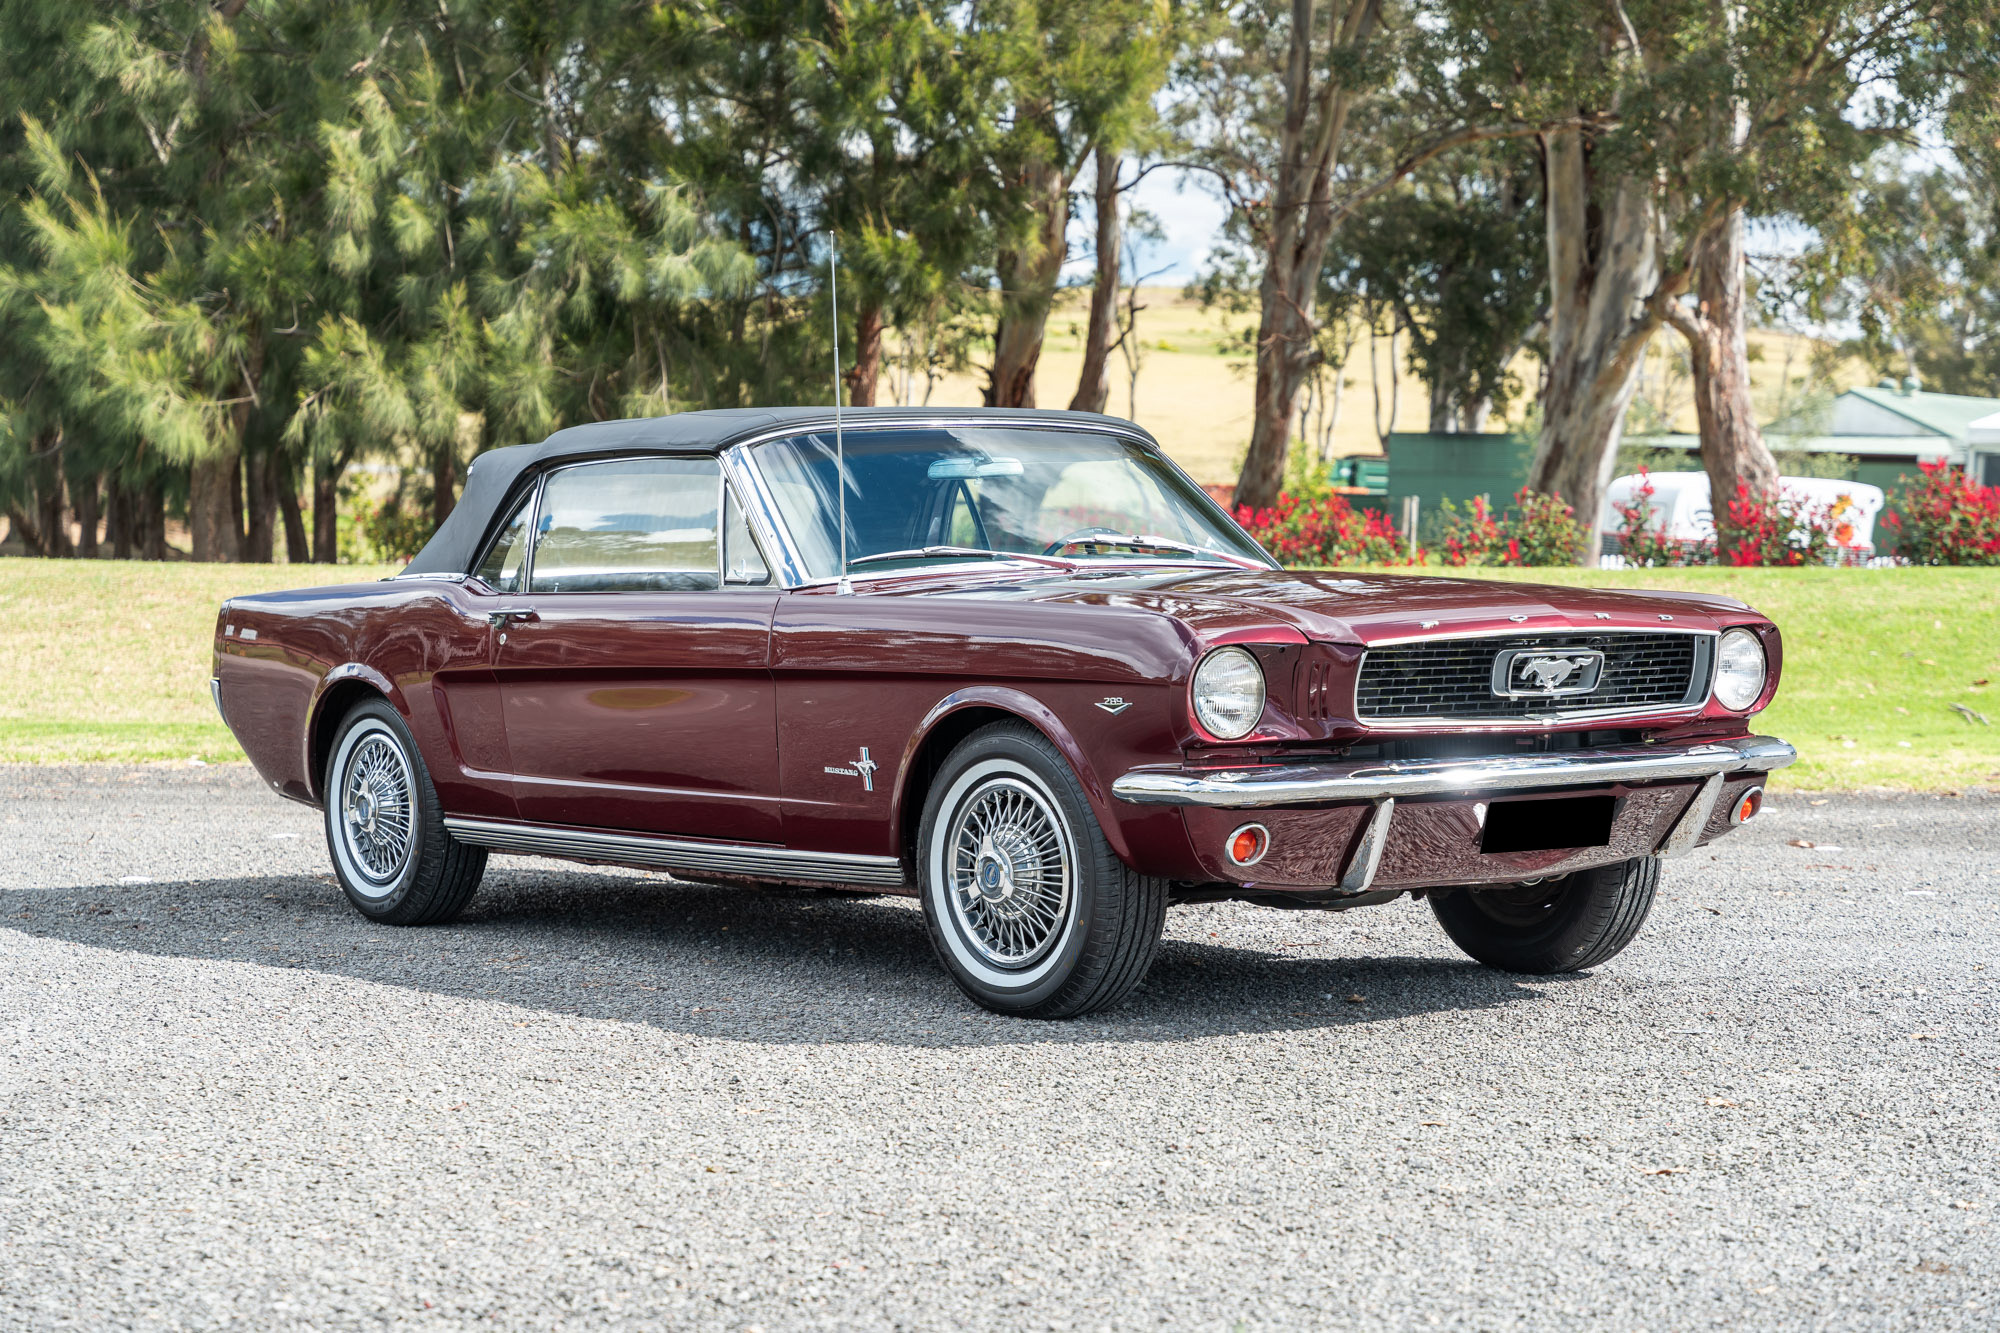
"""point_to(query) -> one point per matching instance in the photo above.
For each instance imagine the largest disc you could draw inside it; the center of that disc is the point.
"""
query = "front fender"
(1018, 703)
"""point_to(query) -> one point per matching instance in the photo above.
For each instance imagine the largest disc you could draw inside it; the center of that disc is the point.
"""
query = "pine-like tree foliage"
(255, 252)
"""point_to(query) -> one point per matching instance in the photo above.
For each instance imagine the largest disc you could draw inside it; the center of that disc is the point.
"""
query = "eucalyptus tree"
(1669, 122)
(1301, 112)
(1458, 255)
(1078, 78)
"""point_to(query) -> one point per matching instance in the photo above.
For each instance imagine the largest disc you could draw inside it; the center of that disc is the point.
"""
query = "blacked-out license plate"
(1557, 823)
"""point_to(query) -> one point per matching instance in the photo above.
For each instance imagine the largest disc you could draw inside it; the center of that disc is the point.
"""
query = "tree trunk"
(51, 519)
(1093, 385)
(326, 513)
(118, 516)
(867, 371)
(1027, 288)
(297, 550)
(215, 487)
(214, 508)
(1605, 292)
(1732, 448)
(20, 525)
(1443, 420)
(83, 499)
(444, 484)
(260, 479)
(153, 520)
(1295, 230)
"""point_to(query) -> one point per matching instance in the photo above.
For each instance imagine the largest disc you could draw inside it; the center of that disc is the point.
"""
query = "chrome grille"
(1453, 678)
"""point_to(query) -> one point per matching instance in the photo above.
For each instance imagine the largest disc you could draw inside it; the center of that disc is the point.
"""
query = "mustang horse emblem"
(863, 768)
(1549, 673)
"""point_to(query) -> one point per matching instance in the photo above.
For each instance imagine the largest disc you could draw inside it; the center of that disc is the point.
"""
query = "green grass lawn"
(108, 660)
(1874, 659)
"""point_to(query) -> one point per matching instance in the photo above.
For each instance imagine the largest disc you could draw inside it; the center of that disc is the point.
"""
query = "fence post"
(1410, 503)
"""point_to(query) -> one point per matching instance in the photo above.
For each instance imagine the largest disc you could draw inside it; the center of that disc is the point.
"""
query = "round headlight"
(1739, 670)
(1228, 693)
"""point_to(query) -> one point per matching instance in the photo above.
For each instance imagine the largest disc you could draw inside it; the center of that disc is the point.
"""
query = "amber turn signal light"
(1748, 806)
(1248, 844)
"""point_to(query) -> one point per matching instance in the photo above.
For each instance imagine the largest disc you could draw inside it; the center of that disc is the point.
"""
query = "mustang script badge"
(863, 768)
(1528, 673)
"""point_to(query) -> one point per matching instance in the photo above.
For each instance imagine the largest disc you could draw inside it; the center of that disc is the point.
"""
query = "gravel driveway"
(616, 1100)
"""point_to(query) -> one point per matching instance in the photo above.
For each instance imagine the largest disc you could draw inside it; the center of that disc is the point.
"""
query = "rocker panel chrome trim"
(719, 858)
(1314, 784)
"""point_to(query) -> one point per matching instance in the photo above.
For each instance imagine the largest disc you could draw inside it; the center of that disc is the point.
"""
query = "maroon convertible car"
(1014, 664)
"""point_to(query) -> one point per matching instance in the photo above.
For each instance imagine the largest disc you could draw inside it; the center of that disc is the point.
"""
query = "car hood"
(1333, 607)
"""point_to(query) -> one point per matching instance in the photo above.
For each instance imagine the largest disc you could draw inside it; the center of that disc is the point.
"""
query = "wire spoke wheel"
(377, 813)
(1011, 872)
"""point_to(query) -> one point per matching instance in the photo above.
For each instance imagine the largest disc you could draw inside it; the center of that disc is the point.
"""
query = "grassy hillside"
(1195, 381)
(110, 661)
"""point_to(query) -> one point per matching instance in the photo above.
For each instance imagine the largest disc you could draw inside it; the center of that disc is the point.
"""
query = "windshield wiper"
(972, 552)
(1133, 542)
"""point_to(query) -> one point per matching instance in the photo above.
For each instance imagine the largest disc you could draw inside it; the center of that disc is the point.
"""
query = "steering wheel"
(1072, 539)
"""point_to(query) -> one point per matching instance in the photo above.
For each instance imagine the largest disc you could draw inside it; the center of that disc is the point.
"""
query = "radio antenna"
(846, 585)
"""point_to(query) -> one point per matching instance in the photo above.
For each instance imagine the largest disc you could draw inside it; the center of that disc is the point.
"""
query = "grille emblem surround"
(1545, 673)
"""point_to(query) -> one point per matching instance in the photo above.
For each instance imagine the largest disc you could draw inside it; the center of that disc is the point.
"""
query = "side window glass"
(742, 562)
(501, 569)
(629, 525)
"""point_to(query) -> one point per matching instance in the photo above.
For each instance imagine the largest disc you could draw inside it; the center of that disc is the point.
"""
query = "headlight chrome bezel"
(1233, 726)
(1736, 688)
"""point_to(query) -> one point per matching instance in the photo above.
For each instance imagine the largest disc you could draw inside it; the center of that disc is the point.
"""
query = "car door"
(634, 676)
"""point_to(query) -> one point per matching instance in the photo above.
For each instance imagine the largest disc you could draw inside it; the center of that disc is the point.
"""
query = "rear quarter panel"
(288, 662)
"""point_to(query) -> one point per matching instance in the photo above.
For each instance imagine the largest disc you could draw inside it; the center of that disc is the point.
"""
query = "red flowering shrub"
(1470, 539)
(1948, 519)
(1755, 530)
(1642, 542)
(1539, 530)
(1321, 531)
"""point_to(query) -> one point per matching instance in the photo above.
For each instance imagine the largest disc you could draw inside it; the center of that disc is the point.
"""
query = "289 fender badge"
(863, 768)
(1114, 705)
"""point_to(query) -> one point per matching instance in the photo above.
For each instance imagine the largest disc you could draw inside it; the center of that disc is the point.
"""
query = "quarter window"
(629, 525)
(742, 562)
(507, 557)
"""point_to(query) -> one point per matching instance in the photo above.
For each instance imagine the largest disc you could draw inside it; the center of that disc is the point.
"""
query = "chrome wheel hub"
(377, 820)
(1010, 872)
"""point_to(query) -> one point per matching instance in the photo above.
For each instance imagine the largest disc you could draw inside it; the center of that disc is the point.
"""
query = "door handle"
(518, 617)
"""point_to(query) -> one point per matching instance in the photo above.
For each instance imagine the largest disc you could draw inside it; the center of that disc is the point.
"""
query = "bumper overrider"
(1344, 817)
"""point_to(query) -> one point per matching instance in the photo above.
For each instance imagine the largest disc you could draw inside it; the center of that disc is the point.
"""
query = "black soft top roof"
(492, 477)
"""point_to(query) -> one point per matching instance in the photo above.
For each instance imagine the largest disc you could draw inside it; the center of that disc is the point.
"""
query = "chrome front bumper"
(1315, 784)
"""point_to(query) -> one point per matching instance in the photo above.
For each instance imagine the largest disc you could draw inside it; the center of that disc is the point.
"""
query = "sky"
(1190, 215)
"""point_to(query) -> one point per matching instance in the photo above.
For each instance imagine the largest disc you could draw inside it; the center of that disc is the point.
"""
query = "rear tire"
(1559, 925)
(1029, 909)
(385, 829)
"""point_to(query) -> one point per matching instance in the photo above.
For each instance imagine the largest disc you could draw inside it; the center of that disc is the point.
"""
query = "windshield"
(1076, 494)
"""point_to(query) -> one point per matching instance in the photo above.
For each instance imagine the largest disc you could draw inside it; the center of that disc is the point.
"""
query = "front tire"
(385, 828)
(1029, 909)
(1558, 925)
